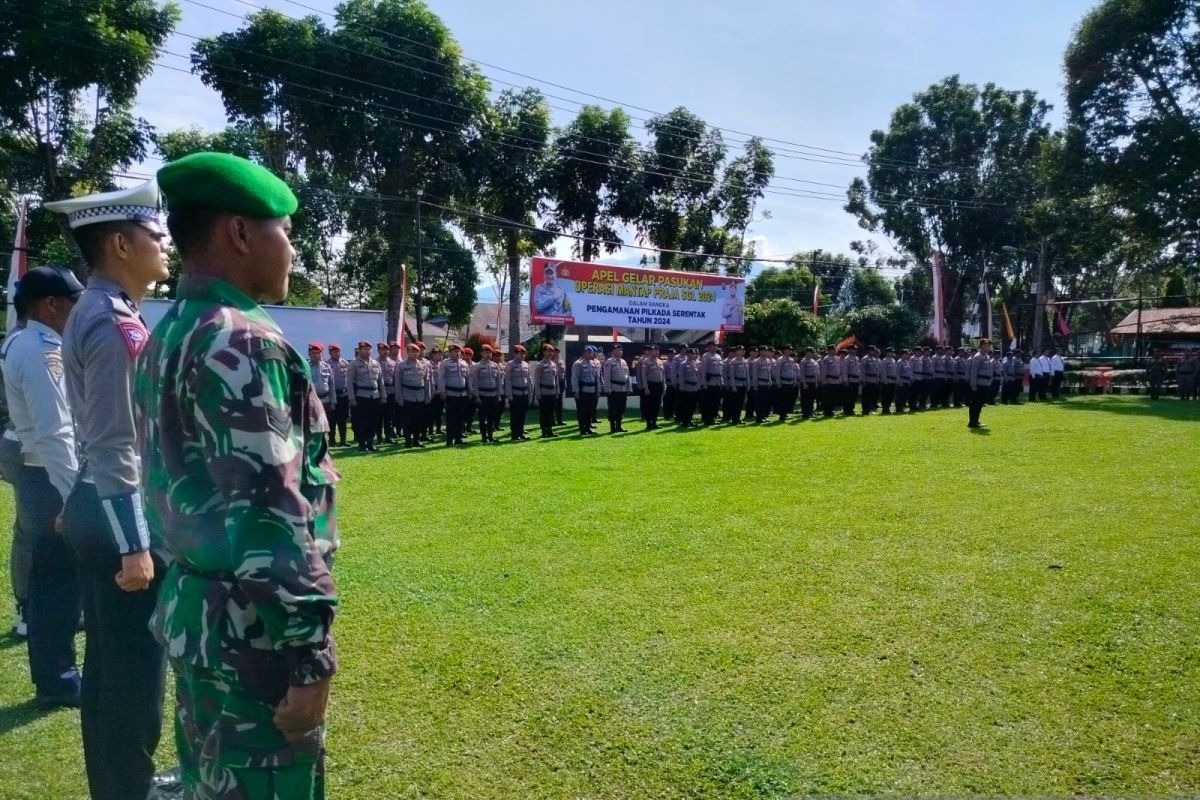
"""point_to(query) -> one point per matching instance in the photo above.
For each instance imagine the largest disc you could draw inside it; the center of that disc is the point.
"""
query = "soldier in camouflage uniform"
(239, 483)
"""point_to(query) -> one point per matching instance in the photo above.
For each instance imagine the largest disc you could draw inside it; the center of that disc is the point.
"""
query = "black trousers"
(585, 410)
(433, 421)
(52, 610)
(1056, 380)
(413, 416)
(670, 398)
(365, 419)
(978, 399)
(517, 413)
(902, 397)
(870, 397)
(616, 409)
(652, 403)
(558, 406)
(735, 402)
(488, 412)
(763, 398)
(456, 417)
(918, 395)
(124, 667)
(887, 395)
(546, 413)
(710, 404)
(387, 419)
(785, 400)
(685, 407)
(337, 420)
(808, 400)
(831, 397)
(849, 398)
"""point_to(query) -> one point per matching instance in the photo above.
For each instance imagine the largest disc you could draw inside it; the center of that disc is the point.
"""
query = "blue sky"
(822, 74)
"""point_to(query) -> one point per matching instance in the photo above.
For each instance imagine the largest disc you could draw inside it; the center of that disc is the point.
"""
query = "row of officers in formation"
(386, 396)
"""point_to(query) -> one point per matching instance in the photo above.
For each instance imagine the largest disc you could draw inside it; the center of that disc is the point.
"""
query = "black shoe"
(65, 700)
(168, 783)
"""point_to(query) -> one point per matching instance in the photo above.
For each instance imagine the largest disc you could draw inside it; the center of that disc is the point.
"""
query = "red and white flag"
(939, 321)
(18, 266)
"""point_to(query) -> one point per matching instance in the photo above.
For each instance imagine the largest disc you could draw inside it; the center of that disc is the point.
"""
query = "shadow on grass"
(1171, 408)
(20, 715)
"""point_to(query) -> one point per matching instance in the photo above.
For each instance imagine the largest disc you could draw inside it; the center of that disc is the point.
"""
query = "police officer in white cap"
(35, 387)
(120, 564)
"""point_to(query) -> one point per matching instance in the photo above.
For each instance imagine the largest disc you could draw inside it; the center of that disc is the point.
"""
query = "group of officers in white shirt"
(386, 396)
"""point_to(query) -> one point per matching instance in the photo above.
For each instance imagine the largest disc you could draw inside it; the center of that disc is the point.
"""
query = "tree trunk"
(952, 289)
(514, 288)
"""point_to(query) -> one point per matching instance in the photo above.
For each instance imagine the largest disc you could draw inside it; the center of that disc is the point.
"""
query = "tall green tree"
(866, 287)
(69, 74)
(407, 116)
(1133, 91)
(593, 180)
(955, 172)
(513, 158)
(795, 282)
(780, 322)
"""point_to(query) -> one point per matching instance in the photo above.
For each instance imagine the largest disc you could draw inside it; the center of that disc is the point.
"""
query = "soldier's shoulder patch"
(54, 362)
(50, 339)
(134, 334)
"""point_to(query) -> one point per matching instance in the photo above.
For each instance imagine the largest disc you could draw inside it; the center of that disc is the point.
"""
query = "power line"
(832, 154)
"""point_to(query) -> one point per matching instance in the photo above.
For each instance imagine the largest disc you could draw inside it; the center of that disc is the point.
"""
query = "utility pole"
(1137, 347)
(420, 273)
(1039, 321)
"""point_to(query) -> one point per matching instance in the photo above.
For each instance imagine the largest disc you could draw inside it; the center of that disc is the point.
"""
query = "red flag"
(18, 265)
(615, 335)
(1060, 322)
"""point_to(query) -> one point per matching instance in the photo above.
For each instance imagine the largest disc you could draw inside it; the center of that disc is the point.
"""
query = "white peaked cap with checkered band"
(137, 203)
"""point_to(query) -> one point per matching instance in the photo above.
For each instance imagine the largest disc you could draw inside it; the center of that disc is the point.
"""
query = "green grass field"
(869, 605)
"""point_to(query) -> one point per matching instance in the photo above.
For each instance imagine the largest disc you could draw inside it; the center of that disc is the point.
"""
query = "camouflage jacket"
(240, 486)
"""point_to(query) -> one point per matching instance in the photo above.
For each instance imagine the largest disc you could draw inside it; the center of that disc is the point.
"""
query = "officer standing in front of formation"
(365, 379)
(615, 385)
(903, 382)
(652, 379)
(585, 386)
(1047, 375)
(341, 393)
(1058, 369)
(239, 483)
(888, 379)
(384, 431)
(35, 387)
(786, 374)
(831, 382)
(454, 378)
(872, 379)
(486, 386)
(712, 369)
(120, 565)
(810, 383)
(762, 380)
(413, 392)
(545, 389)
(437, 394)
(736, 380)
(518, 388)
(979, 376)
(322, 380)
(690, 374)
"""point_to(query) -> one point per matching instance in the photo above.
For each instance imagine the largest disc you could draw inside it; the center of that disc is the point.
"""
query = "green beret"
(225, 182)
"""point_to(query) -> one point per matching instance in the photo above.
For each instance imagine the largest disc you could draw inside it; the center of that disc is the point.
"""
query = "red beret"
(315, 346)
(421, 345)
(337, 347)
(468, 351)
(393, 344)
(519, 349)
(383, 344)
(364, 343)
(487, 347)
(412, 346)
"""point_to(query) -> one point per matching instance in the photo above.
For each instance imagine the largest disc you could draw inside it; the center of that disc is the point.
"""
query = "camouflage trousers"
(229, 747)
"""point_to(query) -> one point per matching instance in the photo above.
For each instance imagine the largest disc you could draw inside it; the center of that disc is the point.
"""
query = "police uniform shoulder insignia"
(134, 334)
(50, 338)
(54, 363)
